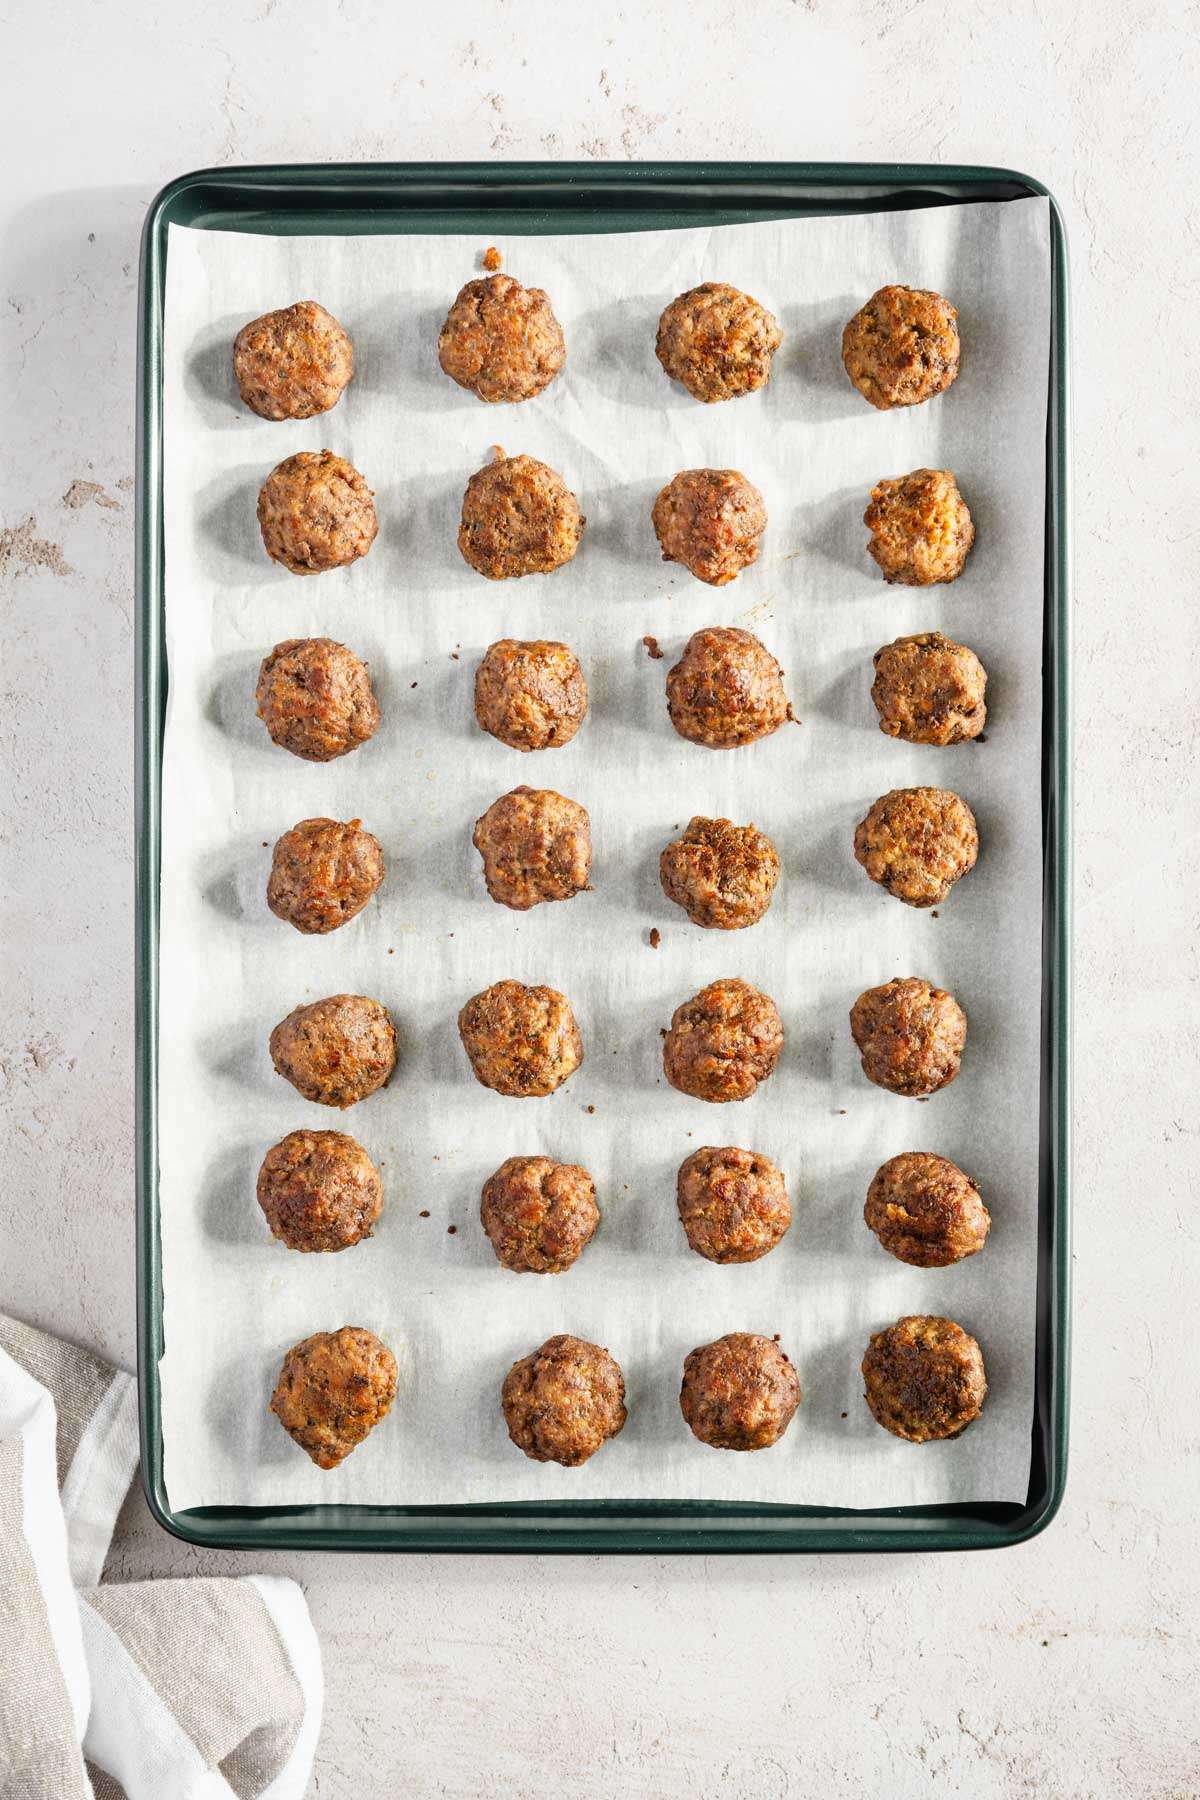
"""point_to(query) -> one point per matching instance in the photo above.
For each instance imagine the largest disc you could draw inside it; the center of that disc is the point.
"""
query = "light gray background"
(1064, 1668)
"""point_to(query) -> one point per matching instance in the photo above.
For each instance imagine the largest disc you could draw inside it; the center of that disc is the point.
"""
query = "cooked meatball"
(562, 1402)
(726, 689)
(920, 528)
(319, 1190)
(924, 1379)
(501, 341)
(315, 698)
(532, 696)
(902, 347)
(717, 341)
(316, 512)
(929, 690)
(292, 363)
(711, 521)
(723, 1042)
(926, 1211)
(910, 1036)
(521, 1041)
(723, 875)
(733, 1204)
(739, 1393)
(518, 518)
(917, 842)
(539, 1215)
(334, 1388)
(323, 873)
(536, 845)
(335, 1051)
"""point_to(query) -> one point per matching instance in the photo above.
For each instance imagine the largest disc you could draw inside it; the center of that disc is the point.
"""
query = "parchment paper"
(617, 430)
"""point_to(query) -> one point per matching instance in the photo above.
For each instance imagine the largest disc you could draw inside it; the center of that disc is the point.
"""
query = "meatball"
(920, 528)
(539, 1215)
(323, 873)
(910, 1036)
(717, 341)
(562, 1402)
(929, 690)
(917, 842)
(925, 1211)
(723, 875)
(901, 347)
(739, 1393)
(924, 1378)
(333, 1389)
(532, 696)
(319, 1190)
(315, 698)
(536, 845)
(316, 512)
(733, 1204)
(723, 1042)
(501, 341)
(292, 363)
(726, 689)
(519, 517)
(521, 1041)
(712, 521)
(335, 1051)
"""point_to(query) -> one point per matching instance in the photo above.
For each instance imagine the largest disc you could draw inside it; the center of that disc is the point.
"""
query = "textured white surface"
(1066, 1667)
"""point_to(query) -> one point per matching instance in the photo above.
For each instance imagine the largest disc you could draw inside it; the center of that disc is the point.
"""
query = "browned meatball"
(739, 1393)
(532, 696)
(733, 1204)
(333, 1389)
(316, 512)
(292, 363)
(726, 689)
(539, 1215)
(920, 528)
(902, 347)
(723, 875)
(910, 1036)
(723, 1042)
(521, 1041)
(536, 845)
(717, 341)
(929, 690)
(924, 1378)
(501, 341)
(917, 842)
(926, 1211)
(711, 521)
(315, 698)
(562, 1402)
(519, 517)
(319, 1190)
(335, 1051)
(323, 873)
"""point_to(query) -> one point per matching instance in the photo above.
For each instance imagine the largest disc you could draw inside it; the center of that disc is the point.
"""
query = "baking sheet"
(233, 1299)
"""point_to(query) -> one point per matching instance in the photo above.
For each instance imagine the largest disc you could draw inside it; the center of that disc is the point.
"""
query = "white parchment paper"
(617, 430)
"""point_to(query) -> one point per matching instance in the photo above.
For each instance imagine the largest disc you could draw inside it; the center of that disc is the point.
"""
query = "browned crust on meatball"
(323, 872)
(733, 1204)
(723, 875)
(929, 690)
(519, 517)
(924, 1378)
(536, 846)
(915, 843)
(563, 1401)
(711, 521)
(333, 1389)
(726, 689)
(925, 1211)
(739, 1393)
(335, 1051)
(316, 512)
(530, 695)
(717, 341)
(910, 1036)
(292, 363)
(521, 1041)
(902, 347)
(921, 530)
(723, 1042)
(315, 698)
(319, 1190)
(501, 341)
(538, 1214)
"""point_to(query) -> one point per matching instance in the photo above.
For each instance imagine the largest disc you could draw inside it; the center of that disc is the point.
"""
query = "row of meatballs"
(923, 1380)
